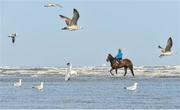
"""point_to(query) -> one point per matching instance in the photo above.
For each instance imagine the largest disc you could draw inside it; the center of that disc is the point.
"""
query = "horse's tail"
(131, 68)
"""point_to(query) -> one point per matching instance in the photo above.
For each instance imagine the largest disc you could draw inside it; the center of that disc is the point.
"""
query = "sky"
(135, 26)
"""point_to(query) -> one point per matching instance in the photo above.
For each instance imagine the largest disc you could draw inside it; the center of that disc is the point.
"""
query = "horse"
(115, 64)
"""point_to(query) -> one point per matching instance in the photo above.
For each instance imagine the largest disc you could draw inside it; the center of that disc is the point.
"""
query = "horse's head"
(109, 57)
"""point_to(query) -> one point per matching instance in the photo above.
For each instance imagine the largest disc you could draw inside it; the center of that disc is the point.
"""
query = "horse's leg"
(132, 71)
(116, 70)
(125, 69)
(111, 71)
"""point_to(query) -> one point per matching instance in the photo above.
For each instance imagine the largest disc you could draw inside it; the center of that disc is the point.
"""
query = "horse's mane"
(110, 55)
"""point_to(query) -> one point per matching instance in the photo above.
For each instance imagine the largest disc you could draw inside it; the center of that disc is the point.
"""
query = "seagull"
(18, 84)
(39, 87)
(71, 23)
(53, 5)
(133, 87)
(68, 73)
(70, 69)
(13, 36)
(167, 51)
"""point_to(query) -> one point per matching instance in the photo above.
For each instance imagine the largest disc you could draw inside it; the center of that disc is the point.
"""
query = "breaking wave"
(92, 70)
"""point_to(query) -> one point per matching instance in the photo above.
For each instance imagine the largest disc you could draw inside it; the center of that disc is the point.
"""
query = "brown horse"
(115, 64)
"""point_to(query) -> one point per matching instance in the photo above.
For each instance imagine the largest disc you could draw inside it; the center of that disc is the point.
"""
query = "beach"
(91, 88)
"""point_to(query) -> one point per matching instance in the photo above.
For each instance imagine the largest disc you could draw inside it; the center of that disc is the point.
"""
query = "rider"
(119, 55)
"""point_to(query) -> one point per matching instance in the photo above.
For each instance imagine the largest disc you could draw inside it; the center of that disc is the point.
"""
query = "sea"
(92, 87)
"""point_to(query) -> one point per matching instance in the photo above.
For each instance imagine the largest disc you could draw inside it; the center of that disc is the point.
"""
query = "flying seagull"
(133, 87)
(53, 5)
(18, 84)
(167, 51)
(13, 36)
(71, 23)
(39, 87)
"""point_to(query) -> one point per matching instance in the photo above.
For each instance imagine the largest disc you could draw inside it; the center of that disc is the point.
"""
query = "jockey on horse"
(119, 55)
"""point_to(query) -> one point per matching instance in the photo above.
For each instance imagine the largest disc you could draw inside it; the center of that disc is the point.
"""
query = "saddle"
(118, 61)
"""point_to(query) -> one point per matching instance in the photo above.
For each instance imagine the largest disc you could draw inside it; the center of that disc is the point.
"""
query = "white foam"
(94, 70)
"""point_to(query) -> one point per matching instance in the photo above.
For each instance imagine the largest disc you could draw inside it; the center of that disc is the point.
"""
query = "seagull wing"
(75, 17)
(169, 44)
(66, 19)
(58, 5)
(10, 35)
(130, 87)
(14, 34)
(37, 87)
(46, 5)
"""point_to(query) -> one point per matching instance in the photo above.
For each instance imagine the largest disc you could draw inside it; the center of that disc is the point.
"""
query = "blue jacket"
(119, 56)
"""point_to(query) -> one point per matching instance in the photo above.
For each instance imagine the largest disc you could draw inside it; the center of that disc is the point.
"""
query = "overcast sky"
(137, 27)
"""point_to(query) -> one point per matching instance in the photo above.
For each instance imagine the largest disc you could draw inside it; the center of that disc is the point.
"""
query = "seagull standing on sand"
(167, 51)
(13, 36)
(18, 84)
(39, 87)
(71, 23)
(53, 5)
(133, 87)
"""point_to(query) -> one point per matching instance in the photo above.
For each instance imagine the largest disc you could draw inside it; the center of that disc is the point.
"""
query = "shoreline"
(144, 71)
